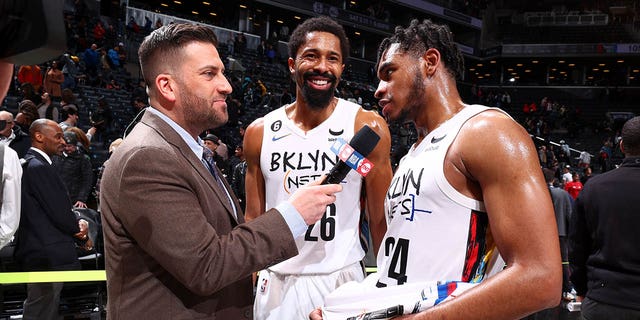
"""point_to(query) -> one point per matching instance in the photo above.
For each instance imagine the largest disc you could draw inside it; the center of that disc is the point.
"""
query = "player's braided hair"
(418, 37)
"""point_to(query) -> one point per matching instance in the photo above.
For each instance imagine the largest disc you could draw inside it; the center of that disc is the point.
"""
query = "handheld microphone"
(362, 143)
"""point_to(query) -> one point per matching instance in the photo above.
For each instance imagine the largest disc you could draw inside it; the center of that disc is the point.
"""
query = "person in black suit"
(13, 135)
(48, 228)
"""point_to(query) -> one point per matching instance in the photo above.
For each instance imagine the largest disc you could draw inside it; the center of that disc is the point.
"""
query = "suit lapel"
(191, 161)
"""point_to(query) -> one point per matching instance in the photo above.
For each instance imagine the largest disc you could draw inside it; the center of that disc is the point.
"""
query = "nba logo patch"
(263, 286)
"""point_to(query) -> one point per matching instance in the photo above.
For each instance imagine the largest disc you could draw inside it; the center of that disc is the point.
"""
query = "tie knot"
(207, 154)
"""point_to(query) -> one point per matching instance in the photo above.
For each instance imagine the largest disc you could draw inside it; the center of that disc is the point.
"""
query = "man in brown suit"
(175, 242)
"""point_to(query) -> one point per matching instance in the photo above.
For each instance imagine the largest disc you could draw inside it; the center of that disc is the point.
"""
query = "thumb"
(318, 181)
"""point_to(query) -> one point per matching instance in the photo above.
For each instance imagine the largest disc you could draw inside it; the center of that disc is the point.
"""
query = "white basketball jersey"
(291, 158)
(434, 232)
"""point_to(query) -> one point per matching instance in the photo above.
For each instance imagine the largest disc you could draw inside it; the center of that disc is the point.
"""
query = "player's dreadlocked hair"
(418, 37)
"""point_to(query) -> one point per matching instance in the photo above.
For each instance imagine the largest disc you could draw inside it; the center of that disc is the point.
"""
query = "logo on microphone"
(351, 157)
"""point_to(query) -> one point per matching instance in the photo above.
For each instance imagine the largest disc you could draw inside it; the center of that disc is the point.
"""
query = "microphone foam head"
(365, 140)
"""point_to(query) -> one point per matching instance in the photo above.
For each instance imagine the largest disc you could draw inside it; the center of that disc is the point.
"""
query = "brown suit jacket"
(173, 248)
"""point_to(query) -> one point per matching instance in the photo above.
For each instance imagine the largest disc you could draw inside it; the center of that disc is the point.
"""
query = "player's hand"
(316, 314)
(312, 200)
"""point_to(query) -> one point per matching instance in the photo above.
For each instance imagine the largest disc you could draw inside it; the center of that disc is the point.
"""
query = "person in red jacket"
(31, 74)
(574, 187)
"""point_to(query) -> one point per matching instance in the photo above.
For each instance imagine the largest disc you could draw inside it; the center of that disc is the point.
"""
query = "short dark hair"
(69, 110)
(418, 37)
(164, 44)
(549, 175)
(67, 96)
(631, 137)
(322, 24)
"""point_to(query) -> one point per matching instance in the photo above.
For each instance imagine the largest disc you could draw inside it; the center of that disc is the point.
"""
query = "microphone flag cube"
(351, 157)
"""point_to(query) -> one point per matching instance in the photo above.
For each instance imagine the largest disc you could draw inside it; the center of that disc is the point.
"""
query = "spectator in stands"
(158, 24)
(551, 156)
(222, 150)
(562, 158)
(99, 32)
(12, 135)
(140, 91)
(27, 113)
(70, 115)
(588, 173)
(114, 57)
(406, 135)
(566, 174)
(230, 44)
(585, 159)
(92, 60)
(122, 54)
(137, 105)
(237, 157)
(53, 80)
(147, 25)
(70, 71)
(574, 186)
(238, 173)
(542, 156)
(101, 119)
(30, 74)
(110, 36)
(286, 97)
(133, 26)
(240, 44)
(105, 65)
(29, 93)
(74, 167)
(112, 147)
(562, 206)
(284, 33)
(604, 237)
(113, 85)
(262, 48)
(68, 99)
(84, 139)
(47, 108)
(271, 53)
(273, 39)
(564, 147)
(212, 142)
(604, 156)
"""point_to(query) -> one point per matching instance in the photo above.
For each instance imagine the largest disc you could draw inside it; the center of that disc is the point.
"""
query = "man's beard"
(318, 99)
(415, 101)
(199, 112)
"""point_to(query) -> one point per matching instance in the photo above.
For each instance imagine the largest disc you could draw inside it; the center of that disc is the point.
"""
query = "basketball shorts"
(281, 297)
